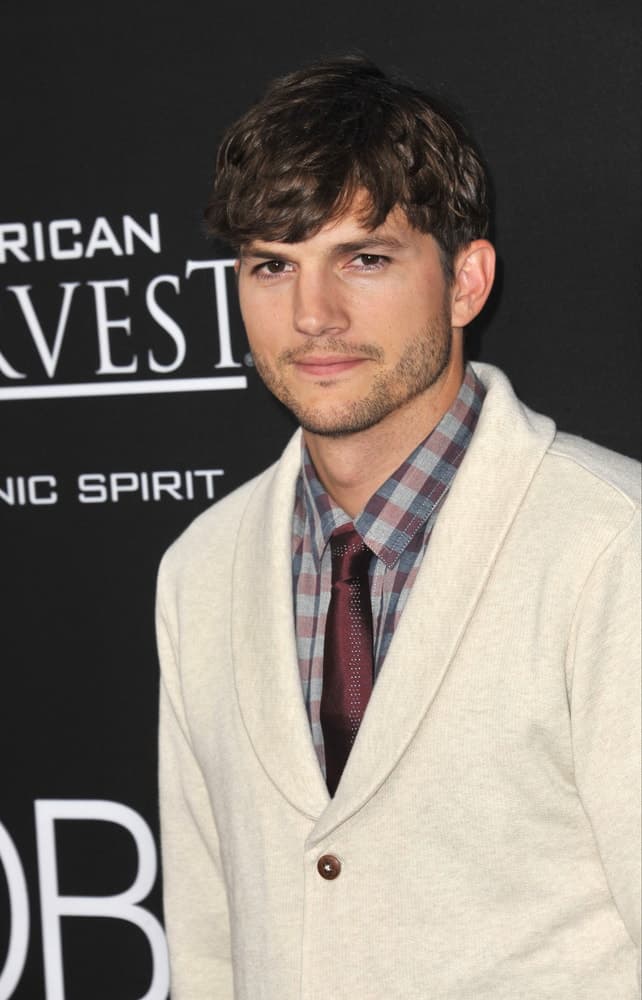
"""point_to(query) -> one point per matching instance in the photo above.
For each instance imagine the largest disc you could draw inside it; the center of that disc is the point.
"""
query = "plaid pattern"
(395, 524)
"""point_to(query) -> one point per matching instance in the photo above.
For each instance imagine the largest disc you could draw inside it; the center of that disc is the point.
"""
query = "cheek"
(424, 306)
(255, 325)
(393, 319)
(264, 342)
(408, 302)
(263, 315)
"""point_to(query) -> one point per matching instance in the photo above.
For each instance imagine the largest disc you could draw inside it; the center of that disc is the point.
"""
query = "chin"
(354, 418)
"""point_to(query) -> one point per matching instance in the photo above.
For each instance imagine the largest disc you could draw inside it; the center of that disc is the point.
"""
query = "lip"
(327, 366)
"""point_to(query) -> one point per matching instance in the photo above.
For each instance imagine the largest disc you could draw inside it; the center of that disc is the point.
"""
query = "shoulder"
(586, 500)
(569, 466)
(593, 499)
(595, 489)
(211, 538)
(575, 495)
(596, 468)
(214, 525)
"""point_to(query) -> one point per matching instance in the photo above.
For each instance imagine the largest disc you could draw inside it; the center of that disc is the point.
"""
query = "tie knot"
(350, 554)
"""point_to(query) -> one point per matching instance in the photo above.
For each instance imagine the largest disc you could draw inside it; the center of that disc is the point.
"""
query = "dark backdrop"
(113, 112)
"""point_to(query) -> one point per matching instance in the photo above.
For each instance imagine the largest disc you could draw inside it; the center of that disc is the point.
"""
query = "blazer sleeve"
(605, 713)
(195, 898)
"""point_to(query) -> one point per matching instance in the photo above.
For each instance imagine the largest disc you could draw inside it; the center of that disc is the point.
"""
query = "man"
(398, 708)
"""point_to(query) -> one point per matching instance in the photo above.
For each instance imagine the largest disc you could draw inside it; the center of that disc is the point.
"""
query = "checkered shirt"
(395, 524)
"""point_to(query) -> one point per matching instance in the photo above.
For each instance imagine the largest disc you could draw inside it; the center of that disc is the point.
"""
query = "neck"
(353, 467)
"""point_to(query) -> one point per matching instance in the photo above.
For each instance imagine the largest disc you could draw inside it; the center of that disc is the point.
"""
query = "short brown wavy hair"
(296, 160)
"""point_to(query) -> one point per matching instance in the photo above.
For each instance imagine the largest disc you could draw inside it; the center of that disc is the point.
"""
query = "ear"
(474, 268)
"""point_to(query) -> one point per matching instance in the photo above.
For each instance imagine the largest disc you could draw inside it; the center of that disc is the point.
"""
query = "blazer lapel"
(266, 668)
(504, 454)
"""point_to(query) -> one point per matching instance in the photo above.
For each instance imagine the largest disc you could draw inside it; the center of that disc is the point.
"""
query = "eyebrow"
(259, 254)
(339, 249)
(369, 243)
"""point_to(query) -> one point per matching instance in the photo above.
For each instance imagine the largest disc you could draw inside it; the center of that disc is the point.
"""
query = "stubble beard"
(421, 364)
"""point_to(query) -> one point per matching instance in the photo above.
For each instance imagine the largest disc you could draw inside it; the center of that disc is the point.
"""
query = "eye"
(271, 268)
(370, 261)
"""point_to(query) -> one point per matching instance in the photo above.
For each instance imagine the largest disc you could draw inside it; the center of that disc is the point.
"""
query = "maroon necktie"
(347, 657)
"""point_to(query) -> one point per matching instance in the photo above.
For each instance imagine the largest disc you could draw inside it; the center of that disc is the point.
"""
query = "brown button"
(328, 866)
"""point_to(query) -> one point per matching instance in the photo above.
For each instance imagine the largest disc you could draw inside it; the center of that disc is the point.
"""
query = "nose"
(318, 307)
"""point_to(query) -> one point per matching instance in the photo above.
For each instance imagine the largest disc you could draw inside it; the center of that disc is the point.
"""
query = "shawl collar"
(503, 456)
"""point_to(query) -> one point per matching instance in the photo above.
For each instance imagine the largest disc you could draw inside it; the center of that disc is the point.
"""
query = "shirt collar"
(403, 504)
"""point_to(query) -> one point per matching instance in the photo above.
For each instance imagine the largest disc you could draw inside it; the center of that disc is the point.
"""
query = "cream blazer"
(487, 820)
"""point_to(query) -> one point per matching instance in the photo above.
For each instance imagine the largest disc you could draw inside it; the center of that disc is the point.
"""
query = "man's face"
(350, 325)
